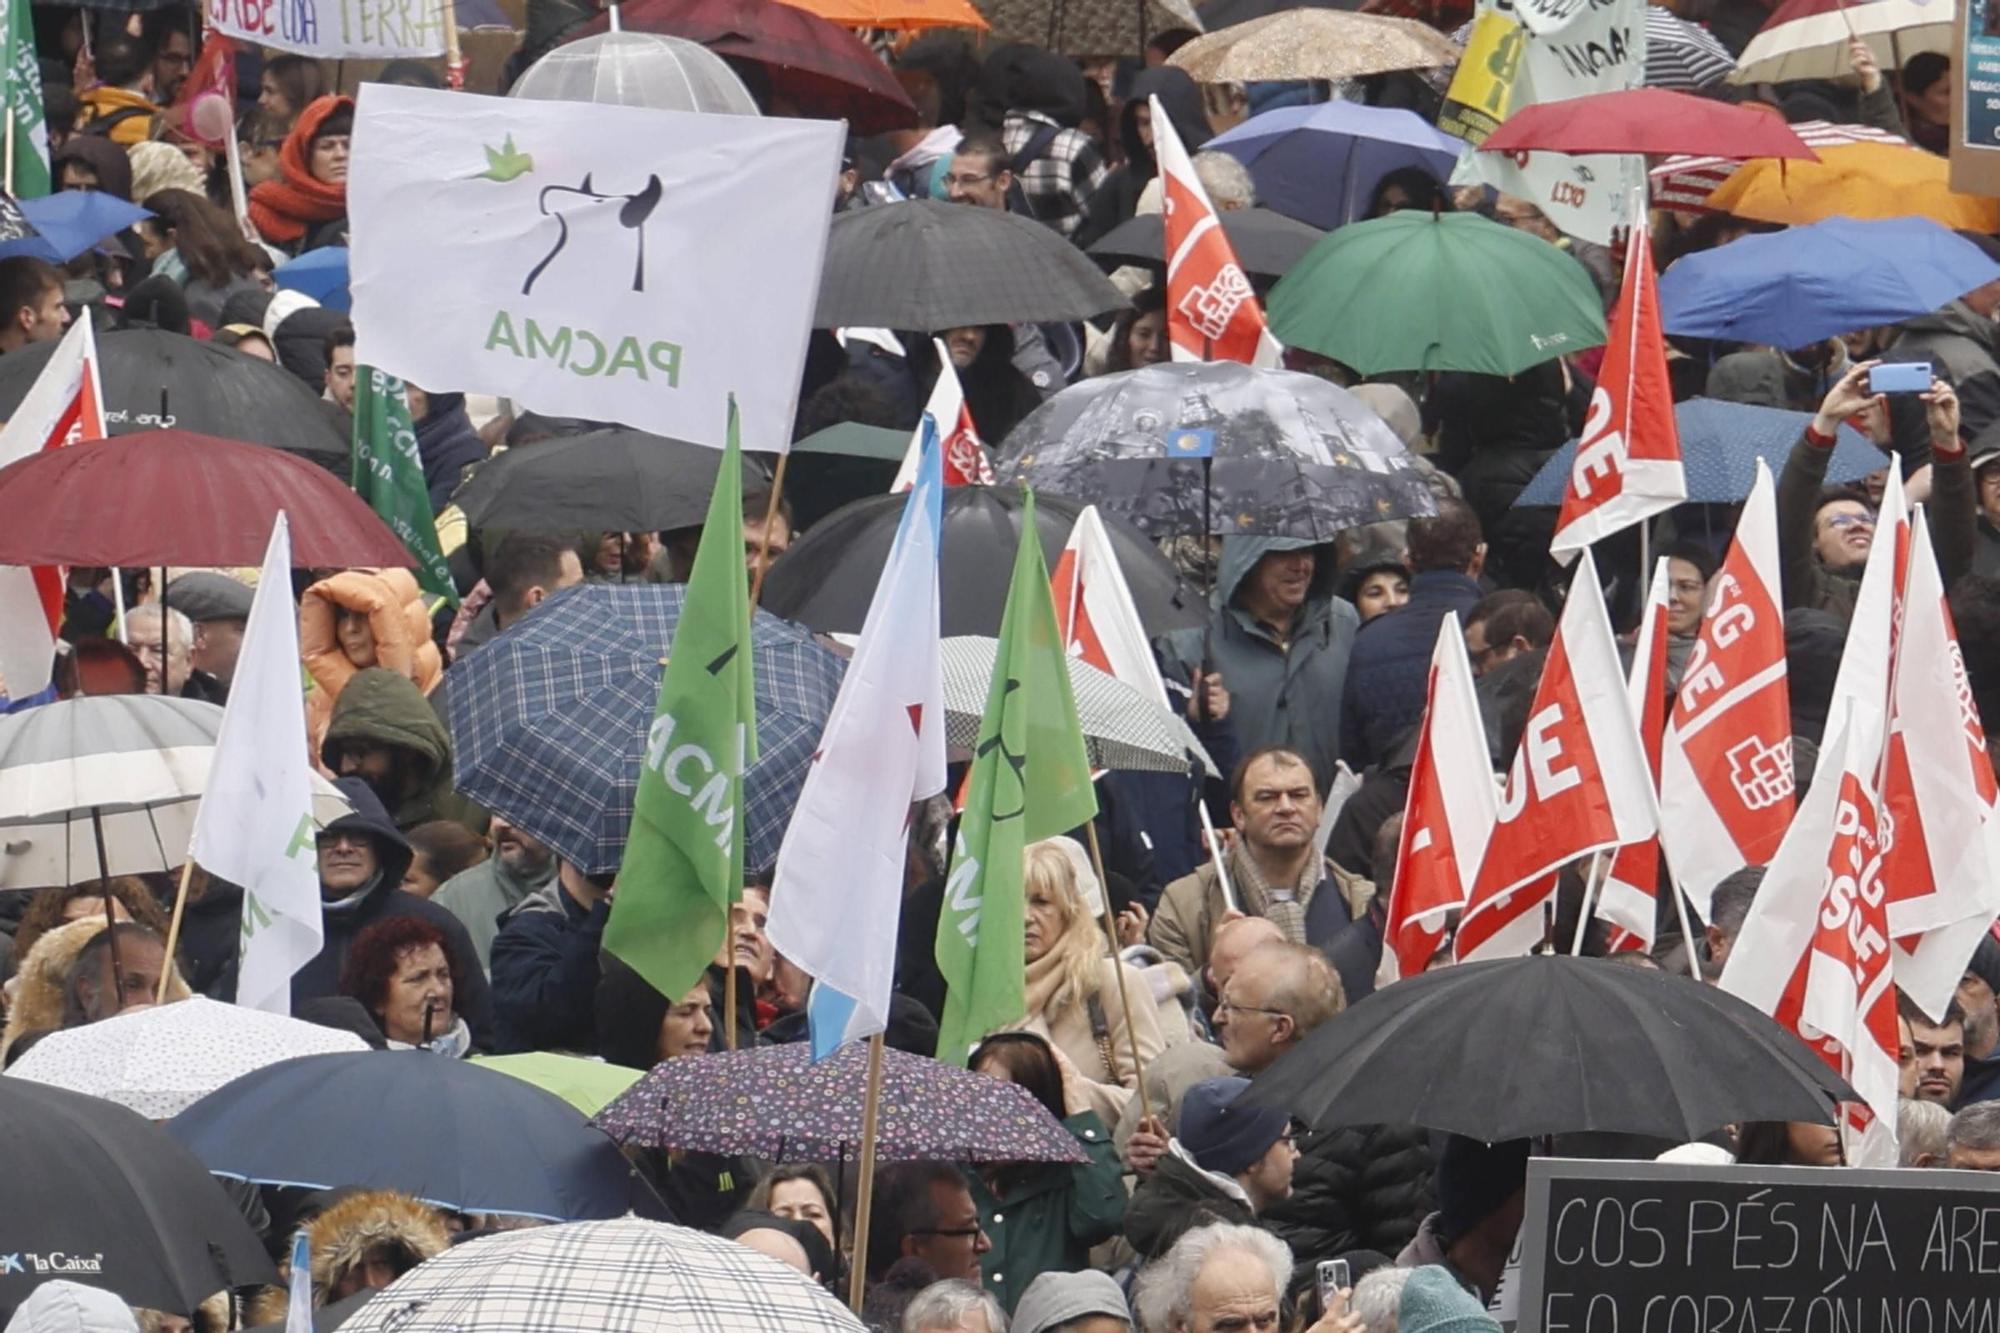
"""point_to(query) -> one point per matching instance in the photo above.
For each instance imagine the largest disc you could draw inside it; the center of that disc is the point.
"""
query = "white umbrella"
(1814, 45)
(637, 69)
(161, 1060)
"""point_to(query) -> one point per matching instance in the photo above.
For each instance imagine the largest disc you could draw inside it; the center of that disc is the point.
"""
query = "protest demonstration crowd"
(952, 666)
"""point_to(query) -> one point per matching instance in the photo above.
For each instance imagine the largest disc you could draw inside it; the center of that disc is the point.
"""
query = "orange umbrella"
(897, 15)
(1861, 180)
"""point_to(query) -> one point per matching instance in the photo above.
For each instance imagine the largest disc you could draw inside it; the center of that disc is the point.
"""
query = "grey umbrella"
(927, 266)
(1266, 244)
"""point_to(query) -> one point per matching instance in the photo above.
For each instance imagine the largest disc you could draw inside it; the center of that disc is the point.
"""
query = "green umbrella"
(855, 440)
(588, 1085)
(1425, 291)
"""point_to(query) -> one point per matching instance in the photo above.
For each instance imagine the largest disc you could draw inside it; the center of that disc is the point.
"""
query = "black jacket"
(448, 445)
(1388, 671)
(545, 973)
(1172, 1201)
(1117, 199)
(1356, 1187)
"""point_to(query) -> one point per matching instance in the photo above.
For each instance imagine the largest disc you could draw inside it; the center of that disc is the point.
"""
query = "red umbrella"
(172, 497)
(819, 67)
(1647, 120)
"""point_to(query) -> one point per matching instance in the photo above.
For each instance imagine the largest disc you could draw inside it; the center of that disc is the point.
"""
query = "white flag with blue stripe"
(838, 893)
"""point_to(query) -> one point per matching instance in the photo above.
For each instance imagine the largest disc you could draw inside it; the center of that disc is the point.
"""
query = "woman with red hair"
(402, 972)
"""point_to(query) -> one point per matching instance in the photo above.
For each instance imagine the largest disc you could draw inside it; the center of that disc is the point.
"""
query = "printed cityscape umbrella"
(616, 480)
(622, 1276)
(182, 499)
(159, 1061)
(1292, 455)
(927, 265)
(1683, 182)
(897, 15)
(1321, 163)
(71, 222)
(1267, 243)
(1807, 39)
(1314, 44)
(1417, 291)
(95, 1194)
(1551, 1045)
(588, 1085)
(1793, 287)
(549, 720)
(446, 1131)
(112, 775)
(1084, 28)
(829, 575)
(321, 274)
(152, 378)
(637, 69)
(818, 67)
(775, 1102)
(1646, 120)
(1863, 180)
(1720, 445)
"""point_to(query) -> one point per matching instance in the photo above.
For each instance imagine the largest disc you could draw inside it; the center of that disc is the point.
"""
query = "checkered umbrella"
(621, 1276)
(549, 721)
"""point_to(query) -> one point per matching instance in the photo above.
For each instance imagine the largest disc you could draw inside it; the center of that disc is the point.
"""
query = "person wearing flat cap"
(1229, 1163)
(219, 606)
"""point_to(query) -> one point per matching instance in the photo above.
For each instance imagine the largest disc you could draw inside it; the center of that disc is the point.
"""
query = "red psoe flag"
(1212, 314)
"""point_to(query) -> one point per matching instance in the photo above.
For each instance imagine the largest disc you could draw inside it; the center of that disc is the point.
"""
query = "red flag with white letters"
(1629, 899)
(1212, 313)
(961, 452)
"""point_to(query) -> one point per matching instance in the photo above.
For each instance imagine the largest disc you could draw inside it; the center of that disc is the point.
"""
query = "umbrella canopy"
(1220, 14)
(1321, 163)
(1417, 291)
(1807, 39)
(828, 577)
(161, 1060)
(624, 1276)
(152, 378)
(446, 1131)
(1720, 445)
(130, 768)
(1527, 1046)
(819, 67)
(928, 265)
(1101, 28)
(1266, 243)
(1314, 44)
(1684, 181)
(896, 15)
(1646, 120)
(637, 69)
(327, 1317)
(126, 1207)
(852, 439)
(616, 480)
(1863, 180)
(70, 222)
(182, 499)
(1683, 55)
(588, 1085)
(1793, 287)
(1123, 728)
(776, 1102)
(1293, 455)
(549, 721)
(319, 273)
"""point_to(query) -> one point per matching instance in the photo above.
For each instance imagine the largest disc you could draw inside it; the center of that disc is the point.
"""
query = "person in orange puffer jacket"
(357, 619)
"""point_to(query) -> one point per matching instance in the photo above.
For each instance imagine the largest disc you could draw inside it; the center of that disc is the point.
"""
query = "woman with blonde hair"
(1073, 989)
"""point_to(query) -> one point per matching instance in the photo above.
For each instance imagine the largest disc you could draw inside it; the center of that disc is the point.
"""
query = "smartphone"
(1332, 1279)
(1900, 377)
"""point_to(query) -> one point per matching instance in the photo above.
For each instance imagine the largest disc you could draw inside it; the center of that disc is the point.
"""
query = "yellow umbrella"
(1861, 180)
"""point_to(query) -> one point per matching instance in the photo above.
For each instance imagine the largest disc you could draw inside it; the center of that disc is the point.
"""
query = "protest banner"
(335, 29)
(1482, 88)
(608, 262)
(1654, 1247)
(1975, 111)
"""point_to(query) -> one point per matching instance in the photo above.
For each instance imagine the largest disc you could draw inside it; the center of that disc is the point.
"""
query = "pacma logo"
(55, 1261)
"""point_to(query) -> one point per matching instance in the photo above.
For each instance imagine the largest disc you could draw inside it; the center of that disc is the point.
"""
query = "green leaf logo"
(506, 163)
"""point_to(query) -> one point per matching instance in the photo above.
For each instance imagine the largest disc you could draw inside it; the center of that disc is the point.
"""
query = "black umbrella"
(1267, 244)
(154, 379)
(614, 480)
(927, 265)
(98, 1195)
(1523, 1047)
(827, 578)
(1218, 447)
(328, 1317)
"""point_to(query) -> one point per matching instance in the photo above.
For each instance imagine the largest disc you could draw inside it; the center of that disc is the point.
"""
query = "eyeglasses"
(958, 182)
(962, 1233)
(1228, 1006)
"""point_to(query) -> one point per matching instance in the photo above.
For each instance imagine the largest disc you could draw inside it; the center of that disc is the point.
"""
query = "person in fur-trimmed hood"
(366, 1240)
(45, 1002)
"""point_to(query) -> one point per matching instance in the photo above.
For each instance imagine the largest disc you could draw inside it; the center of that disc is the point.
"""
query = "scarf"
(1284, 905)
(1046, 976)
(455, 1041)
(285, 207)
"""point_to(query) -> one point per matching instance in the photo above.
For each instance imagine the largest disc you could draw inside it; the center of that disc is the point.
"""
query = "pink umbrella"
(1647, 120)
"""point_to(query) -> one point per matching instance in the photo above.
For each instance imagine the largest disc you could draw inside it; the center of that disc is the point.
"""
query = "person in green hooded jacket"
(385, 732)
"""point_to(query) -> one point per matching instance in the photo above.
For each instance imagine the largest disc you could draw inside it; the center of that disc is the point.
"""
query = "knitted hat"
(1222, 1136)
(1474, 1179)
(1434, 1302)
(1985, 962)
(1055, 1299)
(70, 1307)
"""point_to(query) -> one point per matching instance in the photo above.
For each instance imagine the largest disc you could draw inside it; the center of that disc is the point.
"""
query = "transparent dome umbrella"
(637, 69)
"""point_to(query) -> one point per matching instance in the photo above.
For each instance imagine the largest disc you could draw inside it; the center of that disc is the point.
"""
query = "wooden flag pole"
(174, 929)
(1118, 967)
(454, 59)
(864, 1194)
(770, 517)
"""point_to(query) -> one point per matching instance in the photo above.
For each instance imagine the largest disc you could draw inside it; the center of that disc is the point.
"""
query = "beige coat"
(1192, 906)
(1091, 1086)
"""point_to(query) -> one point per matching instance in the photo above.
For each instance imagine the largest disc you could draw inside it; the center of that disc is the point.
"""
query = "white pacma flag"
(611, 262)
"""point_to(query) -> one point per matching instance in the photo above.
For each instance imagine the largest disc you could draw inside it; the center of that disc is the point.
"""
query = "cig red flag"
(1095, 613)
(1578, 784)
(964, 454)
(1628, 459)
(1726, 781)
(1447, 816)
(1629, 899)
(1866, 680)
(1212, 314)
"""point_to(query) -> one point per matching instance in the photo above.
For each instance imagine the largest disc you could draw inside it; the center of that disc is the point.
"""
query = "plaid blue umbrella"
(548, 721)
(1720, 445)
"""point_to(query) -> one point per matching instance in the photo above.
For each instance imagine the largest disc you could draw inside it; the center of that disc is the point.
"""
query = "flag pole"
(1118, 969)
(729, 989)
(174, 929)
(454, 59)
(1687, 931)
(864, 1192)
(1593, 889)
(1214, 842)
(770, 517)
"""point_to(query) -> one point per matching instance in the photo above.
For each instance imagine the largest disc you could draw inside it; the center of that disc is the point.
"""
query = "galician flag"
(1030, 780)
(683, 861)
(838, 894)
(389, 474)
(21, 86)
(254, 826)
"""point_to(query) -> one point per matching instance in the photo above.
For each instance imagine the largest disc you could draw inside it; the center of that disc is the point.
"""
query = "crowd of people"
(453, 929)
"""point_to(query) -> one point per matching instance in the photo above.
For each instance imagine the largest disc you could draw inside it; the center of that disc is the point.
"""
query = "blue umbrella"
(548, 721)
(1797, 286)
(1720, 445)
(1320, 163)
(320, 274)
(449, 1132)
(71, 222)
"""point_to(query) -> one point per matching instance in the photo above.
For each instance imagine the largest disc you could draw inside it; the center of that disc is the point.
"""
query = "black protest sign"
(1650, 1247)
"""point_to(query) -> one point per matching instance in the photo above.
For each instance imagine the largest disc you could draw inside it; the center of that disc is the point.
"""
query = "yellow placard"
(1482, 91)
